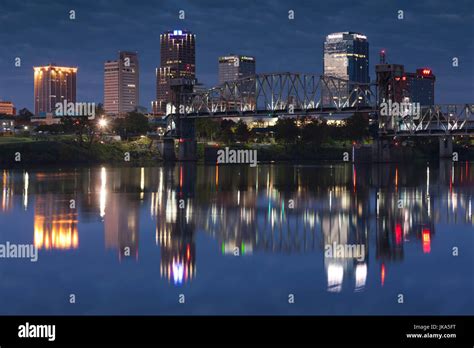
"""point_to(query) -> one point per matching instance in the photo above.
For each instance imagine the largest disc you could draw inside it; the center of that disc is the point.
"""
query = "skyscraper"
(53, 84)
(420, 86)
(121, 84)
(346, 56)
(177, 66)
(234, 67)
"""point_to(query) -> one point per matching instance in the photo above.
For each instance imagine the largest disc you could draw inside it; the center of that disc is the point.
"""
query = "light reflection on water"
(275, 216)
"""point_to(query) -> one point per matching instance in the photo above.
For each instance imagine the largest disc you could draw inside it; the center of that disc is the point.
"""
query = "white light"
(361, 276)
(103, 192)
(335, 277)
(103, 123)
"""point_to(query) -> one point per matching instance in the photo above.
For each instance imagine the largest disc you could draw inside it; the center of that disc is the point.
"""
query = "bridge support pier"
(187, 150)
(381, 150)
(446, 147)
(166, 148)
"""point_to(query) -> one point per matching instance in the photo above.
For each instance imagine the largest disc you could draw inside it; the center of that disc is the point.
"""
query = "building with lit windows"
(420, 86)
(177, 66)
(53, 84)
(121, 84)
(234, 67)
(346, 56)
(7, 108)
(391, 82)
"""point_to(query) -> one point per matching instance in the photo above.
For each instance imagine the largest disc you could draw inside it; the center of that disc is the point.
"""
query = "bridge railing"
(280, 94)
(447, 119)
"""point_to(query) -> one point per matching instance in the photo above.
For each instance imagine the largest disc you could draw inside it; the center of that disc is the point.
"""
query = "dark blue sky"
(40, 32)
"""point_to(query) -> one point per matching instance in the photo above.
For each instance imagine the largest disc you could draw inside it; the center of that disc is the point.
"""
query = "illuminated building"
(7, 108)
(346, 56)
(234, 67)
(177, 66)
(121, 84)
(7, 124)
(420, 86)
(53, 84)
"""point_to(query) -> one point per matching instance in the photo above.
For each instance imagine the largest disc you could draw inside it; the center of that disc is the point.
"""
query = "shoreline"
(143, 152)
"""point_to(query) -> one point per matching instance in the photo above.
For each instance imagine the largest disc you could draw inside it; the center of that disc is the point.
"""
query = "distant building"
(346, 56)
(7, 125)
(53, 84)
(121, 84)
(391, 82)
(7, 108)
(177, 67)
(397, 85)
(420, 86)
(234, 67)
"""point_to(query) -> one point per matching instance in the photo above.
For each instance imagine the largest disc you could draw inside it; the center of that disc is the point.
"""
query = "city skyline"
(297, 46)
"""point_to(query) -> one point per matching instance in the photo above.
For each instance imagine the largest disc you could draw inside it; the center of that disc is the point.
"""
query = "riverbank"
(18, 152)
(71, 152)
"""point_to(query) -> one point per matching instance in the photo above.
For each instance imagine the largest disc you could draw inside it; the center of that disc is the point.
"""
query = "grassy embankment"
(67, 150)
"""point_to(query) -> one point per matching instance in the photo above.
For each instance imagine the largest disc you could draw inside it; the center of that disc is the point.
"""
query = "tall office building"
(121, 84)
(53, 84)
(177, 66)
(346, 56)
(420, 86)
(234, 67)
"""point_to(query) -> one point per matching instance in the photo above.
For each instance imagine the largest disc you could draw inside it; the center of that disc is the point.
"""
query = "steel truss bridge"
(309, 95)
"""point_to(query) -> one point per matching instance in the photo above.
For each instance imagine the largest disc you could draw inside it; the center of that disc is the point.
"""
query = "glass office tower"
(346, 56)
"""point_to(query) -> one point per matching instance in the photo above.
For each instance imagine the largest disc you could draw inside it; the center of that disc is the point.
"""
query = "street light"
(103, 123)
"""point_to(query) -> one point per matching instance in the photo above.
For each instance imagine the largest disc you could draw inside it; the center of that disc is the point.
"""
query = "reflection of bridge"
(308, 95)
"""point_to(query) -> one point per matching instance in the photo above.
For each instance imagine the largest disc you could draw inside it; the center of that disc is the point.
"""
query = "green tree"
(207, 129)
(286, 131)
(133, 124)
(315, 132)
(242, 132)
(357, 126)
(226, 133)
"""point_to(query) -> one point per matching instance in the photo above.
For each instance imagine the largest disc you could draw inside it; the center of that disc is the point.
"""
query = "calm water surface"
(239, 240)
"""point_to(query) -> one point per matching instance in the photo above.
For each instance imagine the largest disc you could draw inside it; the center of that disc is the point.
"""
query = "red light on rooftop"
(426, 72)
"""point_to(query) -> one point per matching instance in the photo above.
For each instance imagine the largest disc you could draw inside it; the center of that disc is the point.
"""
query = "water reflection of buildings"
(249, 209)
(55, 223)
(177, 248)
(121, 225)
(172, 207)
